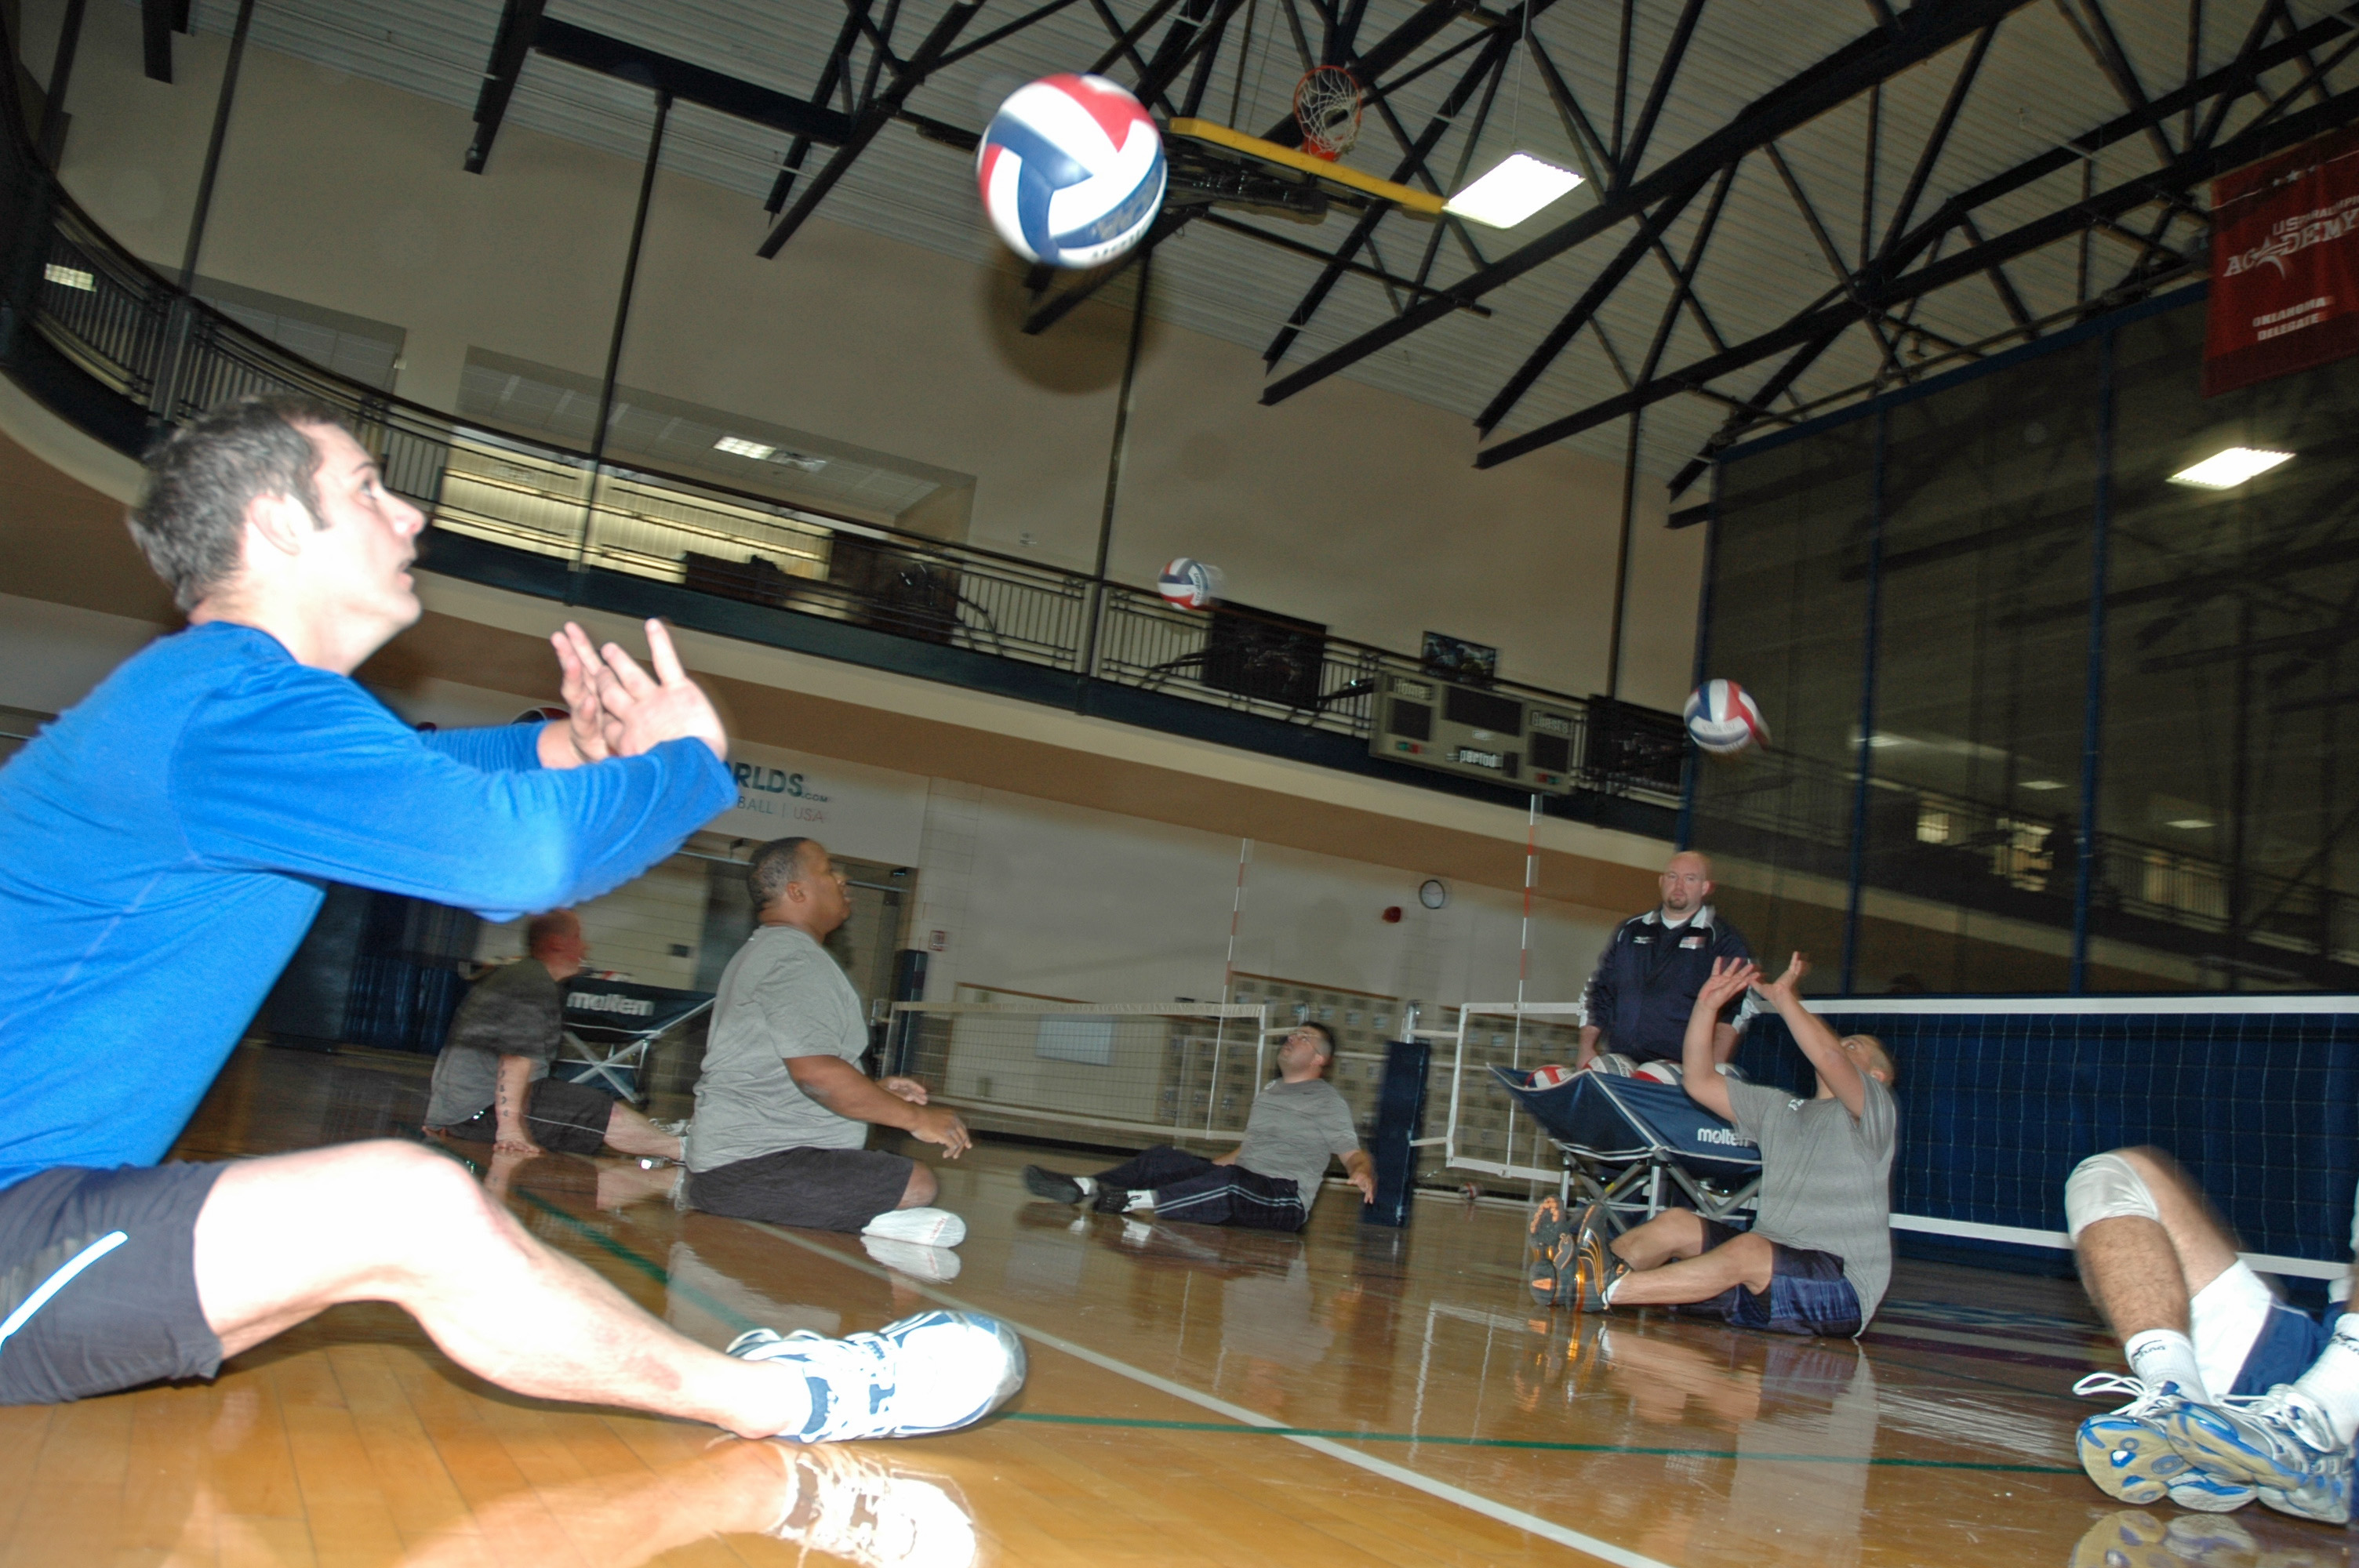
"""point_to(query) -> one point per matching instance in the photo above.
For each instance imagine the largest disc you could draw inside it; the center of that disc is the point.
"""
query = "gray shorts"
(820, 1189)
(131, 1314)
(563, 1117)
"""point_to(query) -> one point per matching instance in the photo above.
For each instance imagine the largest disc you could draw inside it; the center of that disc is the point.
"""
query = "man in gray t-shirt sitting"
(492, 1083)
(1268, 1181)
(782, 1107)
(1819, 1255)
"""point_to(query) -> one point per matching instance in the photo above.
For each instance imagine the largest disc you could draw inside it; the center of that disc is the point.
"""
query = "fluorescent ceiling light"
(70, 277)
(2189, 823)
(2227, 469)
(2043, 784)
(1512, 192)
(1880, 740)
(738, 446)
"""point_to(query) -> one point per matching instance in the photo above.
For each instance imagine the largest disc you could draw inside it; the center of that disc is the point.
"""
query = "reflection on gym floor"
(1352, 1394)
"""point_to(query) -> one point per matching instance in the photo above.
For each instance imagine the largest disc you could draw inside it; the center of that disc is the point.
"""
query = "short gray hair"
(191, 521)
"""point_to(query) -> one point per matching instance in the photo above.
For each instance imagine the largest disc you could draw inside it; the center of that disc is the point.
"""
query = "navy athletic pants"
(1190, 1187)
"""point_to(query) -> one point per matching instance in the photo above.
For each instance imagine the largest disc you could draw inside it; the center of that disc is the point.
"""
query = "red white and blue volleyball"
(1190, 584)
(1723, 719)
(1071, 170)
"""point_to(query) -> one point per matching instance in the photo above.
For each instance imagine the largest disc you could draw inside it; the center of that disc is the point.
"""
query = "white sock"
(2331, 1385)
(1088, 1186)
(925, 1226)
(2162, 1356)
(1140, 1197)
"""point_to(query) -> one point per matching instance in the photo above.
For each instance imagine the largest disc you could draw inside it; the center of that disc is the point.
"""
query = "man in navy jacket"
(163, 847)
(1637, 1002)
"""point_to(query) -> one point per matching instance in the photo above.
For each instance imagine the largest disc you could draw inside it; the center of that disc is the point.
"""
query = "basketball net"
(1327, 108)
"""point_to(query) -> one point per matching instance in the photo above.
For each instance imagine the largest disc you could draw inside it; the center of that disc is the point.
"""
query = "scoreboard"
(1475, 731)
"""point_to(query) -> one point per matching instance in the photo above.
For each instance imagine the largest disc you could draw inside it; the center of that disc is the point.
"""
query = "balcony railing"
(164, 356)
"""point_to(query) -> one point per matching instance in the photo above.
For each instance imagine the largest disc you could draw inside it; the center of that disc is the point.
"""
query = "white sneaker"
(2276, 1441)
(926, 1227)
(2129, 1452)
(934, 1372)
(853, 1506)
(935, 1265)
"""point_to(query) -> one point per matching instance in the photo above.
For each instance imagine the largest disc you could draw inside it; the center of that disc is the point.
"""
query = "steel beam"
(1486, 61)
(2159, 185)
(879, 112)
(2220, 87)
(1666, 72)
(1927, 29)
(519, 20)
(155, 37)
(1600, 289)
(689, 83)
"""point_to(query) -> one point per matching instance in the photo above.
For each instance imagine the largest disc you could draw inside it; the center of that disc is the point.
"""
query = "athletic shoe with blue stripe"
(934, 1372)
(2130, 1454)
(2276, 1442)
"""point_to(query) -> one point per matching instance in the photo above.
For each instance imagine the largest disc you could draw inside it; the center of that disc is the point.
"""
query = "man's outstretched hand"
(582, 737)
(1730, 978)
(936, 1125)
(1788, 985)
(643, 711)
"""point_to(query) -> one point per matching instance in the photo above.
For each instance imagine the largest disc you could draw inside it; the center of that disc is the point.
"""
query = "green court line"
(1345, 1434)
(655, 1271)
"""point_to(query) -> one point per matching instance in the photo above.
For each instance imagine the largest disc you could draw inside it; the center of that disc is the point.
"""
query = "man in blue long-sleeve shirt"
(163, 847)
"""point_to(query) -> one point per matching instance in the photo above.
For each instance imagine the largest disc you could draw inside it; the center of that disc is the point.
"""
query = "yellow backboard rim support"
(1424, 203)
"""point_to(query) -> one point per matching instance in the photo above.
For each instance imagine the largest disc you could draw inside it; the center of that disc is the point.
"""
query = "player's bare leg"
(281, 1239)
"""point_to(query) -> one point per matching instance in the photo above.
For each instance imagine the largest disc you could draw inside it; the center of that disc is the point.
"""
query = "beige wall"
(1345, 504)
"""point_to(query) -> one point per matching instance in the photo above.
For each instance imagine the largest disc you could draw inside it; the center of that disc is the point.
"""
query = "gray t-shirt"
(1293, 1128)
(781, 996)
(1826, 1177)
(517, 1010)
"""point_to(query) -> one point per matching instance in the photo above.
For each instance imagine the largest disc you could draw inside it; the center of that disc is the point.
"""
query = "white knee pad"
(2105, 1186)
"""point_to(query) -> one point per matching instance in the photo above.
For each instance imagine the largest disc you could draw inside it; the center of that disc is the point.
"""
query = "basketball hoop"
(1327, 108)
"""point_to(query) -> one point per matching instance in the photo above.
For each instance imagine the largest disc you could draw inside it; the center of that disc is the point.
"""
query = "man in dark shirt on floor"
(492, 1082)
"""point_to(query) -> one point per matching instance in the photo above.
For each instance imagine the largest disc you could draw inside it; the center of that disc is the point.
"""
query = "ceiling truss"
(1883, 250)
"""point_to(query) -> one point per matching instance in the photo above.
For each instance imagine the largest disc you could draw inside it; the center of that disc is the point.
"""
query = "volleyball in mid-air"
(1191, 585)
(1723, 719)
(1071, 170)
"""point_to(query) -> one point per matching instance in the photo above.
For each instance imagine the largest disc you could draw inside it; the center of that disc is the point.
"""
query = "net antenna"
(1327, 108)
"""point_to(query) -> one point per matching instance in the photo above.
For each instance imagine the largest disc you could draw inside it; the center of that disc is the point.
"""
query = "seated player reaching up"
(2233, 1393)
(162, 850)
(782, 1107)
(492, 1083)
(1819, 1255)
(1268, 1181)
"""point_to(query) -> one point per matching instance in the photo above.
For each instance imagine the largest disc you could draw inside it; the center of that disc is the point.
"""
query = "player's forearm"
(1588, 1033)
(1357, 1162)
(1698, 1067)
(845, 1090)
(510, 1093)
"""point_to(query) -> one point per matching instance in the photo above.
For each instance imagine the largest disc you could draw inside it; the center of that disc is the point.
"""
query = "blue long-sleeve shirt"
(163, 845)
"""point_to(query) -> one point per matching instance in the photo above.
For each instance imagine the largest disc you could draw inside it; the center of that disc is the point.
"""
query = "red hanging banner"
(2285, 264)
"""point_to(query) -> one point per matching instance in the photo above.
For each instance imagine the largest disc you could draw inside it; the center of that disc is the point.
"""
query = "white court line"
(1622, 1557)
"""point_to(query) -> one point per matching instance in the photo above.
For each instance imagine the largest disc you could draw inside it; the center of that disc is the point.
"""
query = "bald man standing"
(1637, 1003)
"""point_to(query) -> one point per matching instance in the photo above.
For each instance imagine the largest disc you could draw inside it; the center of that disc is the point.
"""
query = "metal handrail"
(170, 354)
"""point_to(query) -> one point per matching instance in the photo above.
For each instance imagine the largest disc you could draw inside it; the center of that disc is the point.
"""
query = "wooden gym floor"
(1353, 1396)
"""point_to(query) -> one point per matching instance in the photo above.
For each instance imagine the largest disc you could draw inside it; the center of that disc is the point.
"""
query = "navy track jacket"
(1648, 978)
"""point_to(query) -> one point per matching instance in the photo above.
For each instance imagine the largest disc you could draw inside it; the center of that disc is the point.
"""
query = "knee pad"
(2105, 1186)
